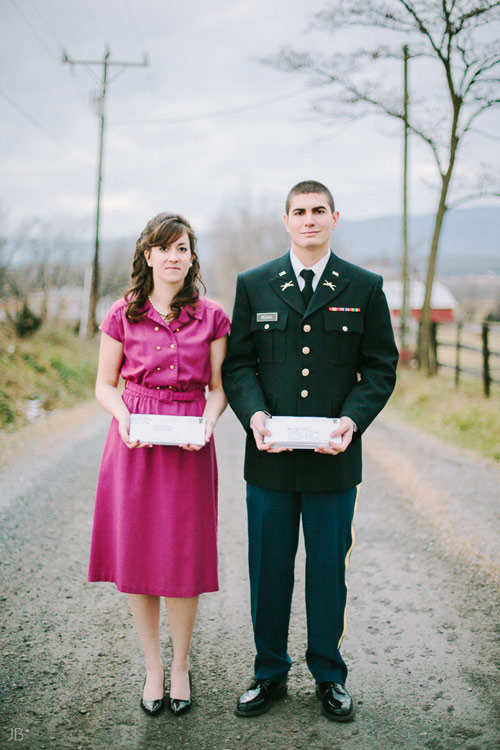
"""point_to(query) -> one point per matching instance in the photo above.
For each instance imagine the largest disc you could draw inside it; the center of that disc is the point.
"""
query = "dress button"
(266, 326)
(305, 350)
(158, 348)
(171, 367)
(304, 394)
(157, 328)
(172, 346)
(305, 372)
(345, 328)
(177, 330)
(307, 328)
(158, 368)
(157, 387)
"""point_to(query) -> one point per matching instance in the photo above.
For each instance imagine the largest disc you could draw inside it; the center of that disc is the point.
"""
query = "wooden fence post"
(486, 360)
(433, 358)
(460, 326)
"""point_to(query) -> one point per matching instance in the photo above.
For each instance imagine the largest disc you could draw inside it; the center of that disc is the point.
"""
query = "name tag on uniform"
(265, 317)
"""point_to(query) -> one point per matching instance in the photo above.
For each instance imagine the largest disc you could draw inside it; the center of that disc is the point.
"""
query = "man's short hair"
(309, 186)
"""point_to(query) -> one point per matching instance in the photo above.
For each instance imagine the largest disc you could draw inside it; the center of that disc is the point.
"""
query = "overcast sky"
(204, 125)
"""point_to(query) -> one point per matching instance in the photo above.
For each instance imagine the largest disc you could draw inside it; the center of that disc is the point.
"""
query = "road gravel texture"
(423, 624)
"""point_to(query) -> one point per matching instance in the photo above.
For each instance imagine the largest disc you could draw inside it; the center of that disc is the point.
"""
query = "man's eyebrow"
(315, 208)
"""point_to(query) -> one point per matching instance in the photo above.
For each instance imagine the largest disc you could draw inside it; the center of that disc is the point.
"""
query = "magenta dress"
(155, 517)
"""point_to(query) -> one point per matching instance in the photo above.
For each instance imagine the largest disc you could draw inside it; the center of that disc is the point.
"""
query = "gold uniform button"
(305, 372)
(266, 326)
(345, 328)
(158, 348)
(305, 350)
(172, 346)
(157, 328)
(307, 328)
(304, 394)
(171, 367)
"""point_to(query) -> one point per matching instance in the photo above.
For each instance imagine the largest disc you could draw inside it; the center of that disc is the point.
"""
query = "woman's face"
(170, 264)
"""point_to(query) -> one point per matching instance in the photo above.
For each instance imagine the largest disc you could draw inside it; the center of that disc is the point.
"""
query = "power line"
(45, 22)
(213, 115)
(94, 20)
(38, 125)
(35, 32)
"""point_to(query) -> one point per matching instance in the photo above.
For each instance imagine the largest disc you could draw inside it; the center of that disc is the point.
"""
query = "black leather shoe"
(336, 703)
(178, 705)
(152, 707)
(258, 697)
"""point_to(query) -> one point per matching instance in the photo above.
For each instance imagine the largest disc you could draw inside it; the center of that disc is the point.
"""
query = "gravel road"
(423, 627)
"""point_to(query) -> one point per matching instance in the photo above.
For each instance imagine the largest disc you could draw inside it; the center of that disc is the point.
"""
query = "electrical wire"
(213, 115)
(42, 41)
(38, 125)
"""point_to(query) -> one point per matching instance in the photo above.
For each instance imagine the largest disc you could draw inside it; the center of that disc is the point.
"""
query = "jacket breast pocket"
(270, 336)
(342, 337)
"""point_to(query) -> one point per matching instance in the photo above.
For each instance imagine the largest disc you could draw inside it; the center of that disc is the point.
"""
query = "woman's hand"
(124, 432)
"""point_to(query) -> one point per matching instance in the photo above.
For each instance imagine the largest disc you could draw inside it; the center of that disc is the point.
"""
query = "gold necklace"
(163, 315)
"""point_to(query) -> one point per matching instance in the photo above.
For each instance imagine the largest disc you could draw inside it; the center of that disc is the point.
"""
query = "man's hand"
(346, 430)
(258, 426)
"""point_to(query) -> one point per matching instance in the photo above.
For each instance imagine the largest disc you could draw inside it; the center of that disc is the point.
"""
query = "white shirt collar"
(318, 269)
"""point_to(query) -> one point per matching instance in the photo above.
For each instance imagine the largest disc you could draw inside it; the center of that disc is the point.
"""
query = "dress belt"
(164, 393)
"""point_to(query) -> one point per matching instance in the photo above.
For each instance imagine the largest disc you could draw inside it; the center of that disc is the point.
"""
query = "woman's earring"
(190, 265)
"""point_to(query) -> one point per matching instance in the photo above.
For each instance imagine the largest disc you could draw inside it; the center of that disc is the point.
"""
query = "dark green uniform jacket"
(337, 358)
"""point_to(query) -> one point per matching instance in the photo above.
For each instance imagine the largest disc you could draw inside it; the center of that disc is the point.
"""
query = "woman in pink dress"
(155, 518)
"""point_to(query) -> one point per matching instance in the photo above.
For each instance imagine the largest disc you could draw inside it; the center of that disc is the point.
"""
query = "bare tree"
(252, 233)
(457, 38)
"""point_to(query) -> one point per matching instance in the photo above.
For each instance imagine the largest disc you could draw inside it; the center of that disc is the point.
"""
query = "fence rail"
(489, 374)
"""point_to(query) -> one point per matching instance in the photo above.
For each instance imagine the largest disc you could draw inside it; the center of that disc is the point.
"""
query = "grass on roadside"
(462, 415)
(53, 369)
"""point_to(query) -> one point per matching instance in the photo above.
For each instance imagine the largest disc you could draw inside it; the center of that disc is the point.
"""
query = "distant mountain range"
(470, 241)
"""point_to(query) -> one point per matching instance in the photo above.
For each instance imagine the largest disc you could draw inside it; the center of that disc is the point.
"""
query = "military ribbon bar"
(344, 309)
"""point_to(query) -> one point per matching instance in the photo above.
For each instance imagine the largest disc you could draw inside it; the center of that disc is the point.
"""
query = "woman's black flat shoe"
(178, 705)
(152, 707)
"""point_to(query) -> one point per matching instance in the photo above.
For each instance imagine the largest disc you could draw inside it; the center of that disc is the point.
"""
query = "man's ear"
(285, 219)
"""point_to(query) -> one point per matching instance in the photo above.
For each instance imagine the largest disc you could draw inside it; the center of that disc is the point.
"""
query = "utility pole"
(405, 280)
(100, 101)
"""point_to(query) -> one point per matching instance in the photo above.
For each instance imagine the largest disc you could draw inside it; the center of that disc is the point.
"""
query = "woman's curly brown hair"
(161, 231)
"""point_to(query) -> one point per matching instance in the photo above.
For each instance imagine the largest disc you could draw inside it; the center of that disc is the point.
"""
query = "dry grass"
(461, 416)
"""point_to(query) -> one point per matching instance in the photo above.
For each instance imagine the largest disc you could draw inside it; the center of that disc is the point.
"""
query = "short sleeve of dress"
(112, 324)
(221, 323)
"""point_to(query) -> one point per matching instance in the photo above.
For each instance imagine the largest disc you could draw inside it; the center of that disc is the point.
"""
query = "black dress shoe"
(178, 705)
(152, 707)
(336, 703)
(258, 697)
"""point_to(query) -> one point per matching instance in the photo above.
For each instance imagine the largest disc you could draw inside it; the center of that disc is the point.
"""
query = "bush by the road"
(52, 369)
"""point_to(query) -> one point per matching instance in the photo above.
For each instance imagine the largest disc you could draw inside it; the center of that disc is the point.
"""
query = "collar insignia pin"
(282, 273)
(330, 284)
(285, 286)
(335, 273)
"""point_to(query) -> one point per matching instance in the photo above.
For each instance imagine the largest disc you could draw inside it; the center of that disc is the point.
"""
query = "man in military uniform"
(311, 336)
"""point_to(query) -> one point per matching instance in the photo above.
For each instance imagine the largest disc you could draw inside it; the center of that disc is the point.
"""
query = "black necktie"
(307, 291)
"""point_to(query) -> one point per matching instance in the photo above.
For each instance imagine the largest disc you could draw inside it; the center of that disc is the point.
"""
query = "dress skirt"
(155, 518)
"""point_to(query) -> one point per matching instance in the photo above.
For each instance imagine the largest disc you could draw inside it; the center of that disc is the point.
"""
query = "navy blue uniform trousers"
(273, 532)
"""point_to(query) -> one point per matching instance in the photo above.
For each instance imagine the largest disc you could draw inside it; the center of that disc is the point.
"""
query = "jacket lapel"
(330, 285)
(285, 285)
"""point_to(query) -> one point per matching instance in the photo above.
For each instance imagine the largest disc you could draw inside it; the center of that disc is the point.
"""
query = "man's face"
(310, 221)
